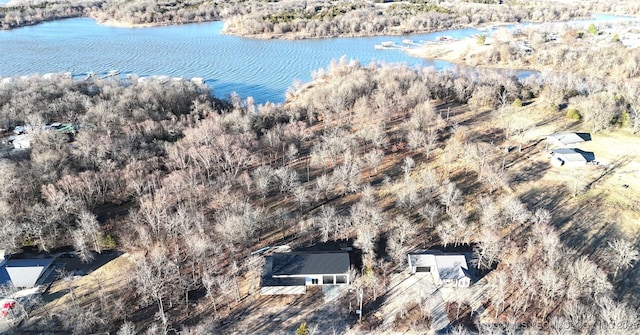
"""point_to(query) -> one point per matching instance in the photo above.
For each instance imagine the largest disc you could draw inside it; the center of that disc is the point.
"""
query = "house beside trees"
(292, 272)
(447, 269)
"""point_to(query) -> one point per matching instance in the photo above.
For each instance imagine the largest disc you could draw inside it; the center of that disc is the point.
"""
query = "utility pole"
(360, 297)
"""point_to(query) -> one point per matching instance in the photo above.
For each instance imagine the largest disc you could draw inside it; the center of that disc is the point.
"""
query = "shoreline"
(455, 52)
(120, 24)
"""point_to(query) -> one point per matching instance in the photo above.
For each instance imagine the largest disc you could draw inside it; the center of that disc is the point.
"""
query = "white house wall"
(309, 278)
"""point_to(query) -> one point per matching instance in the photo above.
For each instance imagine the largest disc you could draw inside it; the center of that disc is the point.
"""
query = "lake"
(263, 69)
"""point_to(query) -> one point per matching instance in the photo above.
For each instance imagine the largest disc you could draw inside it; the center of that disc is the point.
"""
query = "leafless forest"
(190, 185)
(308, 19)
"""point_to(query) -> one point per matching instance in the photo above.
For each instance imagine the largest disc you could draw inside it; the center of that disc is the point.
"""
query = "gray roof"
(573, 155)
(298, 263)
(563, 139)
(24, 272)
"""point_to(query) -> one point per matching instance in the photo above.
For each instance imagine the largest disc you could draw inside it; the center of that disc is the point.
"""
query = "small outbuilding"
(21, 142)
(571, 157)
(566, 139)
(291, 272)
(449, 270)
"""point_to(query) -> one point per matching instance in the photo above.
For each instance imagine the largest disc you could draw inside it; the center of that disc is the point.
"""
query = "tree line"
(308, 19)
(333, 19)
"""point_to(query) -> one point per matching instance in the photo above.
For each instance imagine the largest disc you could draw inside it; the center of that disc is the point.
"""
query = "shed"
(565, 139)
(22, 141)
(571, 157)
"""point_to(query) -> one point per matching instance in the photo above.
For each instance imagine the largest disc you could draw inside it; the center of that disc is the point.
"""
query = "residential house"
(449, 270)
(24, 272)
(292, 272)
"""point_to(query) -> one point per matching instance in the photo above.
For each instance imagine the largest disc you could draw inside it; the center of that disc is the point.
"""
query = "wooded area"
(308, 19)
(190, 185)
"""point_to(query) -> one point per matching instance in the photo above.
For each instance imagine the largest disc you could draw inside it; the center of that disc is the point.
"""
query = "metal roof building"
(299, 264)
(571, 157)
(291, 272)
(24, 273)
(564, 139)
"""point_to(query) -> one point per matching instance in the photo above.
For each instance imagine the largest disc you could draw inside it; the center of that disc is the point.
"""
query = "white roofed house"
(449, 270)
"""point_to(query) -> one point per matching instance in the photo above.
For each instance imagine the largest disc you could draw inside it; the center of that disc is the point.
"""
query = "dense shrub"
(573, 114)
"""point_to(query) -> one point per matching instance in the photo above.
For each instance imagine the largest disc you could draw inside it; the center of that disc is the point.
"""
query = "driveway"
(406, 289)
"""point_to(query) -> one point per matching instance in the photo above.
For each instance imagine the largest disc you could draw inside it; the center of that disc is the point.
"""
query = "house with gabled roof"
(447, 269)
(292, 272)
(24, 272)
(571, 157)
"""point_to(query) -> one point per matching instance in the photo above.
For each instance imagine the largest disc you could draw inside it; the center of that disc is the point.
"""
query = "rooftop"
(24, 272)
(563, 139)
(573, 155)
(449, 266)
(298, 263)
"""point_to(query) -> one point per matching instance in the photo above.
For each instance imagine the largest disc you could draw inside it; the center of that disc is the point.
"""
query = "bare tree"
(262, 178)
(450, 194)
(415, 139)
(407, 164)
(632, 96)
(366, 234)
(406, 194)
(287, 179)
(209, 283)
(577, 317)
(348, 174)
(326, 220)
(90, 228)
(587, 280)
(515, 211)
(373, 159)
(253, 266)
(488, 248)
(622, 255)
(153, 277)
(430, 212)
(430, 140)
(127, 328)
(324, 185)
(616, 317)
(498, 288)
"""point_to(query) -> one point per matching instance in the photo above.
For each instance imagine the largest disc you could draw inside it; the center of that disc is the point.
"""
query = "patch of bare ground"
(103, 288)
(284, 314)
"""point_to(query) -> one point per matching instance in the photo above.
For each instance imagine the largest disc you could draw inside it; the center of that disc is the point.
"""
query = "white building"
(565, 139)
(571, 157)
(450, 270)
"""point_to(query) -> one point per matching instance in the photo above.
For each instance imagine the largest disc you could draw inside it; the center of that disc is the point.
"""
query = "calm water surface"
(263, 69)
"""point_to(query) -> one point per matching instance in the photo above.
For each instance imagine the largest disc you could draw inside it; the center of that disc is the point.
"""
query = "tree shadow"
(547, 198)
(530, 172)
